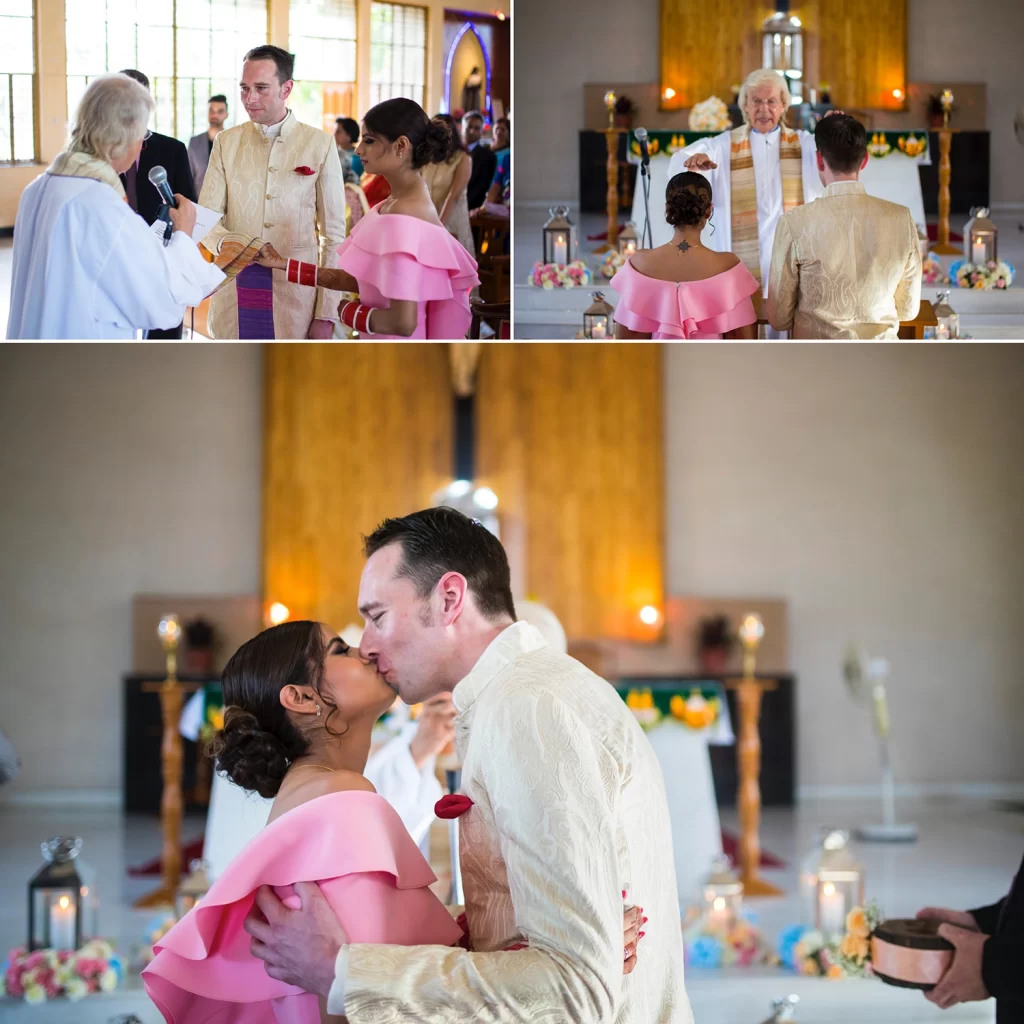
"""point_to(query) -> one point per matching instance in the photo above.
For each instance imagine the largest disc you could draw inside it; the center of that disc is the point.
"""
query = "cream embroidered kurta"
(764, 149)
(252, 179)
(846, 266)
(569, 809)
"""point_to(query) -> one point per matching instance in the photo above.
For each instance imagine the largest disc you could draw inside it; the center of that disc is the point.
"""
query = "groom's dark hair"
(842, 142)
(439, 540)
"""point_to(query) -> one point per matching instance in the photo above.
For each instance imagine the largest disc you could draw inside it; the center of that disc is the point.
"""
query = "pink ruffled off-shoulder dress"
(394, 256)
(375, 879)
(688, 309)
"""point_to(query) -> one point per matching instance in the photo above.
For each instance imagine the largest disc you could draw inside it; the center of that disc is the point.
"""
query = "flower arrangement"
(49, 974)
(556, 275)
(879, 146)
(695, 711)
(156, 929)
(806, 951)
(641, 703)
(912, 145)
(996, 274)
(931, 271)
(711, 115)
(722, 944)
(612, 263)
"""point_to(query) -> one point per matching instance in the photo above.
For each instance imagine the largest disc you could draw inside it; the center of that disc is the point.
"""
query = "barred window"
(17, 82)
(398, 52)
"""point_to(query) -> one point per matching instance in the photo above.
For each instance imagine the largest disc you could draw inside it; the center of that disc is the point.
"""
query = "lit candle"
(62, 924)
(718, 915)
(598, 329)
(831, 911)
(561, 250)
(629, 249)
(978, 252)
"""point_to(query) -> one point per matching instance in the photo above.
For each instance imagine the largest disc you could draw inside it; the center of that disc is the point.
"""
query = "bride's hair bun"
(687, 199)
(259, 740)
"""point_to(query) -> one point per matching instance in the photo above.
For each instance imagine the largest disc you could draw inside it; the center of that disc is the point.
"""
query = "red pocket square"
(305, 171)
(454, 805)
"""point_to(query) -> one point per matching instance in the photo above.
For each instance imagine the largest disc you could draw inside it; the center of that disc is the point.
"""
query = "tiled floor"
(966, 855)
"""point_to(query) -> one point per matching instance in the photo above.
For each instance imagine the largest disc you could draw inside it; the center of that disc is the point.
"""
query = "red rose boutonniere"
(454, 805)
(305, 171)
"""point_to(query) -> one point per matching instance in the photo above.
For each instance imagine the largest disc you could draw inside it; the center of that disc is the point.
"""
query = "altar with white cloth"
(893, 176)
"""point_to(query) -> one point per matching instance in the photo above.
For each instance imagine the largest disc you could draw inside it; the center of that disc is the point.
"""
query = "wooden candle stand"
(612, 200)
(748, 757)
(171, 752)
(943, 248)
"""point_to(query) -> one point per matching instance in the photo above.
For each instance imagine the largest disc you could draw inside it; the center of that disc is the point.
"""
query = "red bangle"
(302, 273)
(357, 316)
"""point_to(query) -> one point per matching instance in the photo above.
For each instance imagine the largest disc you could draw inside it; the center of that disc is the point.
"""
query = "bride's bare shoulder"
(321, 784)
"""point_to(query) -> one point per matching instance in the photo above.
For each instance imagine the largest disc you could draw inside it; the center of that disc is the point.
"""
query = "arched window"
(17, 83)
(189, 50)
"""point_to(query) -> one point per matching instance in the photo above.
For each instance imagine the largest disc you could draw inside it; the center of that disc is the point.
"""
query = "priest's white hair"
(764, 76)
(111, 117)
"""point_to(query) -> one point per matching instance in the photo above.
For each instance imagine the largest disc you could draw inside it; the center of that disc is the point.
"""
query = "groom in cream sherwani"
(277, 179)
(568, 811)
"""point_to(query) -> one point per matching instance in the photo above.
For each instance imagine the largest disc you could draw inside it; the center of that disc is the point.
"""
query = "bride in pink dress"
(683, 290)
(301, 705)
(412, 277)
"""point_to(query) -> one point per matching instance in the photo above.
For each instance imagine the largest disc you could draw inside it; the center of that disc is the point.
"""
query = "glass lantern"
(722, 894)
(597, 321)
(628, 240)
(948, 327)
(980, 237)
(558, 235)
(62, 898)
(782, 48)
(192, 889)
(833, 884)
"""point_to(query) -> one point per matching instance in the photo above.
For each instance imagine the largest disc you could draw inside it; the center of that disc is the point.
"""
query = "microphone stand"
(453, 778)
(645, 178)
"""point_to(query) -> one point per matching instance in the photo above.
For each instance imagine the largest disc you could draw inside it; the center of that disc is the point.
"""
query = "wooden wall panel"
(352, 434)
(862, 51)
(570, 437)
(705, 49)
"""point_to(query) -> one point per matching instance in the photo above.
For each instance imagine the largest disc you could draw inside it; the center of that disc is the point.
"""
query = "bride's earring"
(317, 710)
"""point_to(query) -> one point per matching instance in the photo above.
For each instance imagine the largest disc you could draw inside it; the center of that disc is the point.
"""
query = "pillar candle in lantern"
(978, 252)
(561, 250)
(62, 923)
(831, 910)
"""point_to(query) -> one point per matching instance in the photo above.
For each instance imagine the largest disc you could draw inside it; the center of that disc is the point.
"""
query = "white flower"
(108, 980)
(35, 994)
(76, 989)
(547, 286)
(29, 977)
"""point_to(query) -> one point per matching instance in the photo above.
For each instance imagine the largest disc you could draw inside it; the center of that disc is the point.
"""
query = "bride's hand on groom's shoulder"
(632, 922)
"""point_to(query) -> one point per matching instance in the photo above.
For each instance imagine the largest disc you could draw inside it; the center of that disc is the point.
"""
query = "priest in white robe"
(757, 172)
(85, 264)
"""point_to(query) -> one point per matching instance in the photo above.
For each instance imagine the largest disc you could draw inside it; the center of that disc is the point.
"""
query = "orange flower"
(810, 966)
(835, 971)
(857, 923)
(855, 947)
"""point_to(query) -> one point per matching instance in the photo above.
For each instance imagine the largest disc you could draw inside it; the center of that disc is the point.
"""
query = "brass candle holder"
(611, 135)
(748, 756)
(171, 804)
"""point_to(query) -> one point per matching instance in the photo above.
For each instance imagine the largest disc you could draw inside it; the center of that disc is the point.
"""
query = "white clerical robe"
(568, 810)
(87, 266)
(764, 149)
(236, 815)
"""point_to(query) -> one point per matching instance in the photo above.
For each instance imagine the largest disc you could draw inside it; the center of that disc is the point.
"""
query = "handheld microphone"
(158, 179)
(641, 137)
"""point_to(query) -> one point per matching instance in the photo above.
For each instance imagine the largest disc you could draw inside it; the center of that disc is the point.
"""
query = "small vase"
(713, 660)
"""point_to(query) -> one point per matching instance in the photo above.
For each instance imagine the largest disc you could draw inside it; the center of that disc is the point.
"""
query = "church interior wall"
(877, 491)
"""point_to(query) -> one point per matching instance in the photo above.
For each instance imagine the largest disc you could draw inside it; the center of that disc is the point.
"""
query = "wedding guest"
(85, 264)
(683, 289)
(201, 146)
(447, 181)
(279, 180)
(170, 154)
(498, 200)
(346, 135)
(847, 265)
(483, 158)
(989, 943)
(412, 277)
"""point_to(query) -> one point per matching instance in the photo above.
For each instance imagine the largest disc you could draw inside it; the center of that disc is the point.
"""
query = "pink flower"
(33, 960)
(1000, 283)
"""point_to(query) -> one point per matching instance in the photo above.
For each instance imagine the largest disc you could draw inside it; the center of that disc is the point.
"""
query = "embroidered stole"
(745, 236)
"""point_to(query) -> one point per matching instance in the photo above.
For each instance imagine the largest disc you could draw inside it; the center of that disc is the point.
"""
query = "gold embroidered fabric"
(847, 265)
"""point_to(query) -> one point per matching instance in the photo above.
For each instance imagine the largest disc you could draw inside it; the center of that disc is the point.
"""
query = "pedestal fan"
(866, 678)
